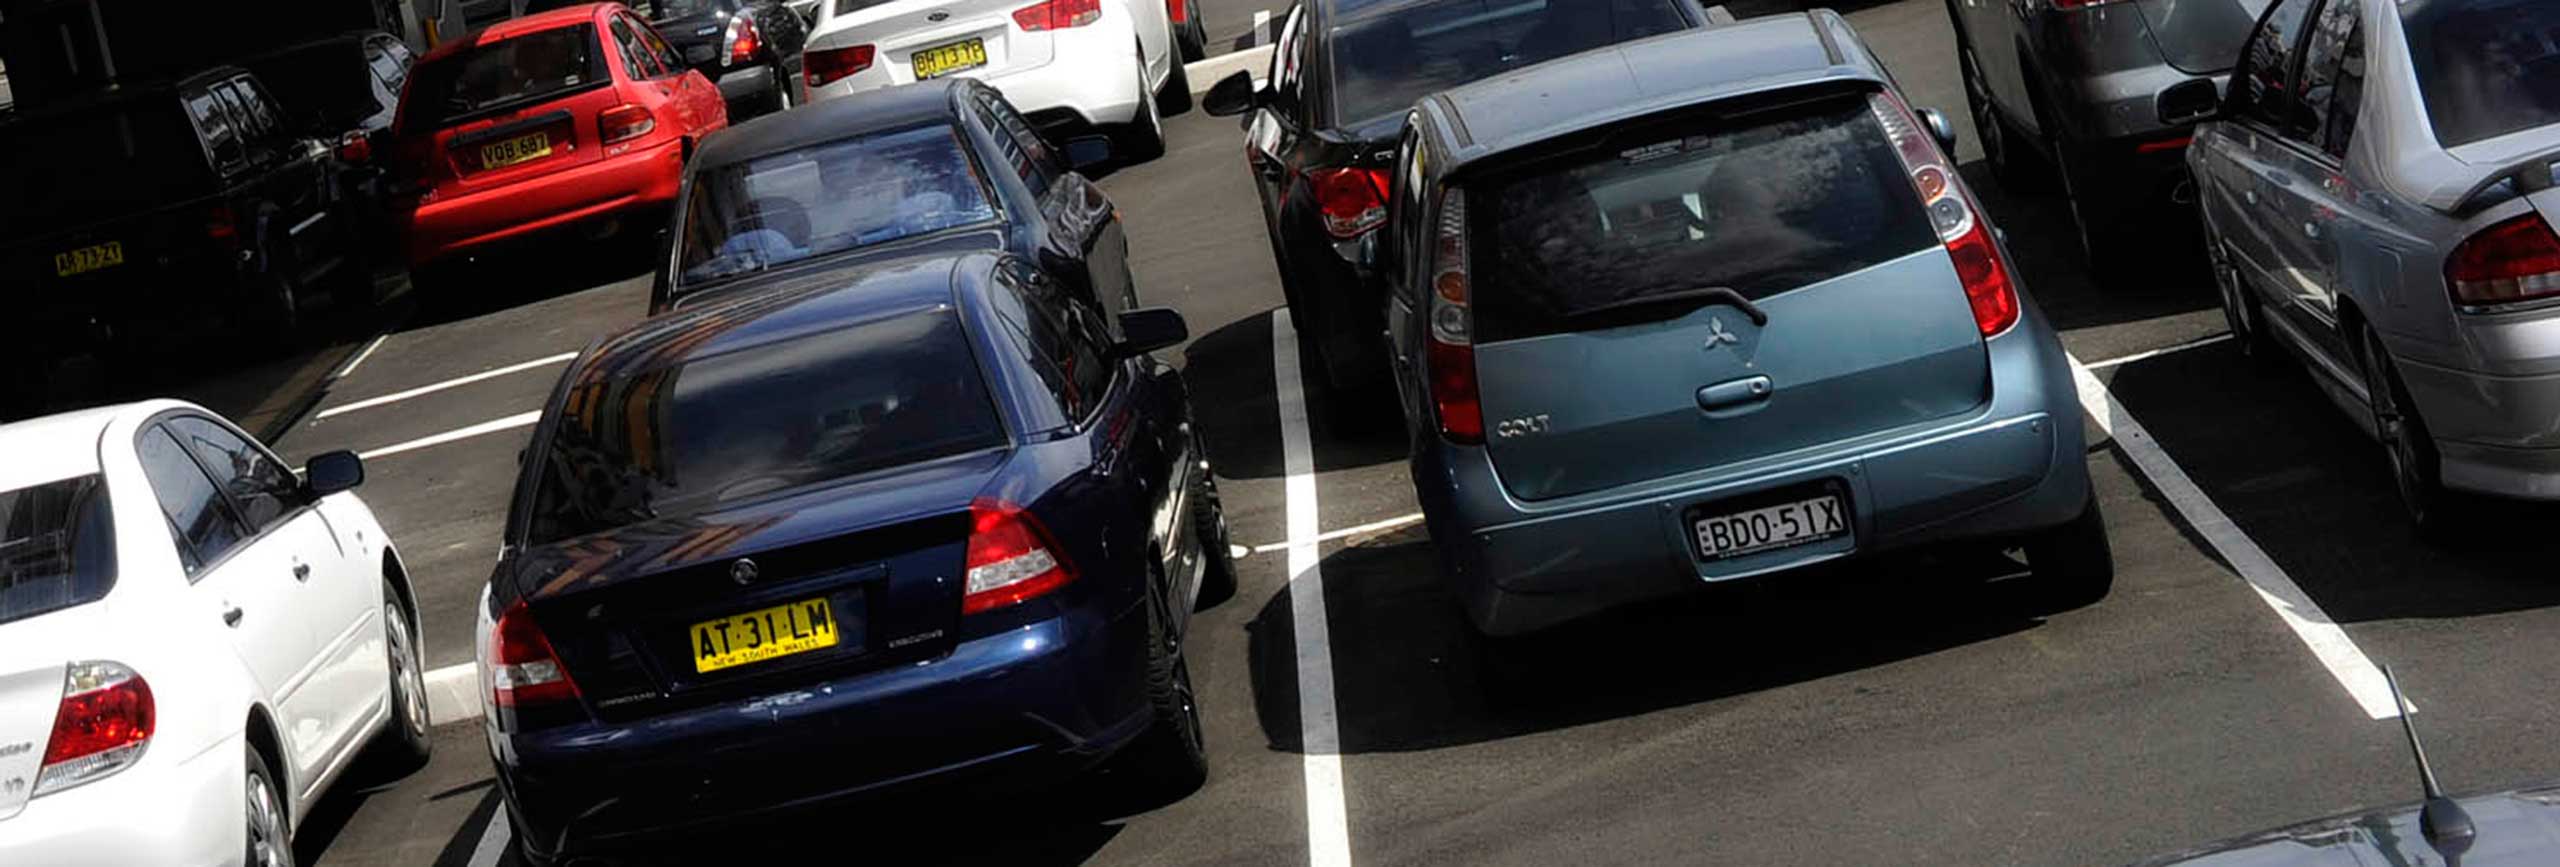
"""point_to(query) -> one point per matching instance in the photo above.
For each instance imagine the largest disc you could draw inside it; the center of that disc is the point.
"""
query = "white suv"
(1064, 63)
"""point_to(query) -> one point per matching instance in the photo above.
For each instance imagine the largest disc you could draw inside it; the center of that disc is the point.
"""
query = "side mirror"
(2191, 101)
(332, 473)
(1941, 129)
(1232, 95)
(1088, 152)
(1150, 329)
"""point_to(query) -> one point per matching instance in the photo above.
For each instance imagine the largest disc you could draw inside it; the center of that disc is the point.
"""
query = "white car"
(1064, 63)
(194, 643)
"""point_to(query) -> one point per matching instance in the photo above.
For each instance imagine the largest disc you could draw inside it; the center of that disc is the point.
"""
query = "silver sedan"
(2378, 194)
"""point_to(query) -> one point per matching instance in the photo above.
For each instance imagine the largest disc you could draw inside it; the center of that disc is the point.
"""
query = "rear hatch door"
(111, 194)
(510, 110)
(2199, 37)
(953, 37)
(1606, 349)
(696, 29)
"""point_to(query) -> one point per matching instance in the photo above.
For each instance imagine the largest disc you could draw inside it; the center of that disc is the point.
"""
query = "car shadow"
(532, 272)
(2260, 438)
(1234, 400)
(2046, 250)
(1410, 675)
(905, 839)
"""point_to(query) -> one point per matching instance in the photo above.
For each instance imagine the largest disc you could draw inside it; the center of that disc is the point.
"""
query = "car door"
(1080, 227)
(663, 87)
(1275, 127)
(2297, 181)
(293, 225)
(2244, 165)
(710, 110)
(2338, 229)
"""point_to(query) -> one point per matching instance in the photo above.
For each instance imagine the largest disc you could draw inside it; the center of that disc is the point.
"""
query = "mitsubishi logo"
(1717, 336)
(744, 571)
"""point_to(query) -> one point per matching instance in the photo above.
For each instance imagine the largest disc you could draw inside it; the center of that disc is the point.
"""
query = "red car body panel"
(461, 206)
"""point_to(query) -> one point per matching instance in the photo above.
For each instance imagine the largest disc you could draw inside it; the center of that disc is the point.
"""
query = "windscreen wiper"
(1706, 294)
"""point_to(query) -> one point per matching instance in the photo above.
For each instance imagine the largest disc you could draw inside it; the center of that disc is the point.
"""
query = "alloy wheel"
(408, 683)
(2236, 313)
(1986, 116)
(2399, 431)
(268, 846)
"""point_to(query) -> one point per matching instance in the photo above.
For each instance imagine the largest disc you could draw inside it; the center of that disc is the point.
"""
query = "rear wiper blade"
(1714, 294)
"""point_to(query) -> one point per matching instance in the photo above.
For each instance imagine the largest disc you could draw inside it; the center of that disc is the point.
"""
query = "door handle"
(302, 571)
(2311, 229)
(2251, 195)
(231, 617)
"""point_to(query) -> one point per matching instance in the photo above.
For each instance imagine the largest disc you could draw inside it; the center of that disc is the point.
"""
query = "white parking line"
(367, 352)
(1320, 738)
(2197, 343)
(487, 427)
(455, 382)
(493, 841)
(2328, 642)
(1346, 532)
(453, 694)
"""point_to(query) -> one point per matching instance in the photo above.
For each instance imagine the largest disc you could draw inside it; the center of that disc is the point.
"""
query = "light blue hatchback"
(1661, 320)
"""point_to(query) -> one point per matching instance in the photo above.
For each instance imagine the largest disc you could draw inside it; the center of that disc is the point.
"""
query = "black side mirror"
(332, 473)
(1232, 95)
(1150, 329)
(1940, 128)
(1089, 152)
(2194, 100)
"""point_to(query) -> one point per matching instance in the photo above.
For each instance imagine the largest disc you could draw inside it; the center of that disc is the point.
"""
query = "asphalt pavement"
(1917, 711)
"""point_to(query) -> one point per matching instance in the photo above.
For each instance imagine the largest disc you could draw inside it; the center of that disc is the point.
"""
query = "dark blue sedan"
(874, 532)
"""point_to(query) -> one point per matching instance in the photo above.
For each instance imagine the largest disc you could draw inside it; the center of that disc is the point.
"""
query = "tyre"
(271, 314)
(1209, 525)
(2240, 311)
(782, 92)
(1175, 99)
(2072, 566)
(1171, 757)
(1142, 138)
(2416, 468)
(269, 837)
(2102, 218)
(406, 743)
(1193, 35)
(2017, 168)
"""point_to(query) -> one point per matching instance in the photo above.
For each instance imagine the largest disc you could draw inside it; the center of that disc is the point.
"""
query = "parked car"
(2391, 221)
(1069, 64)
(1190, 30)
(346, 90)
(906, 525)
(751, 48)
(937, 167)
(1635, 307)
(577, 118)
(194, 643)
(1320, 133)
(2075, 93)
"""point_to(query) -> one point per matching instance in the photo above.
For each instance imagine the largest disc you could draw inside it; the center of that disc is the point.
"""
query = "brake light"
(1450, 358)
(743, 40)
(1012, 558)
(1178, 10)
(2514, 260)
(828, 65)
(1058, 15)
(624, 123)
(1353, 201)
(523, 669)
(220, 225)
(102, 726)
(1979, 266)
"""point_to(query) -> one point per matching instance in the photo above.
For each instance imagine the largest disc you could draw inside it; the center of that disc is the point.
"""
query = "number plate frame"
(1695, 521)
(513, 151)
(735, 643)
(83, 260)
(961, 56)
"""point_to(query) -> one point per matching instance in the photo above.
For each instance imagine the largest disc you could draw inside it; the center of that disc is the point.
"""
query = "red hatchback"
(559, 119)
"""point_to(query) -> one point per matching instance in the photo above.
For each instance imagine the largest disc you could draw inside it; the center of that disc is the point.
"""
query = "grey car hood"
(2199, 37)
(2515, 829)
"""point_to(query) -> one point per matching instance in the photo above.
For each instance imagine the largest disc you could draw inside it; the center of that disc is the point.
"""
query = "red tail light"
(1450, 359)
(2515, 260)
(743, 39)
(829, 65)
(102, 726)
(1985, 275)
(1058, 14)
(624, 123)
(1353, 201)
(1011, 558)
(523, 669)
(1178, 10)
(220, 225)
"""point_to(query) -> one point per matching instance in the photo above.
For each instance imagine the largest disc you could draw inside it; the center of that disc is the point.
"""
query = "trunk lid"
(903, 28)
(30, 692)
(696, 30)
(1609, 345)
(2199, 37)
(508, 111)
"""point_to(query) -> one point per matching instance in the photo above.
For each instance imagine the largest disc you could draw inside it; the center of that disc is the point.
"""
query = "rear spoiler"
(2530, 175)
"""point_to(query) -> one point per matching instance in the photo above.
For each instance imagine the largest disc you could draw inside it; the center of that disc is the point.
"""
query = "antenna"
(2446, 826)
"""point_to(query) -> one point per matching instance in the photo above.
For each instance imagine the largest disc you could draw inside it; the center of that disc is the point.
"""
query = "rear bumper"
(185, 812)
(1028, 708)
(2496, 434)
(636, 181)
(752, 86)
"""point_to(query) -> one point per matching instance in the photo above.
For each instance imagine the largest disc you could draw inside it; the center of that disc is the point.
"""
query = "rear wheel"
(406, 743)
(269, 834)
(1175, 98)
(1209, 525)
(1171, 757)
(782, 95)
(1142, 138)
(1193, 35)
(2416, 468)
(2239, 308)
(2073, 566)
(2018, 169)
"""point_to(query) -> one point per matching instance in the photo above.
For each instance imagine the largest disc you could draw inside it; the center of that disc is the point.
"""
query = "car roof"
(1607, 85)
(125, 92)
(831, 120)
(65, 445)
(514, 27)
(814, 303)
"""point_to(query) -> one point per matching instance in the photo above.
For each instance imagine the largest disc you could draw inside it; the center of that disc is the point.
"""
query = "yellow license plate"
(769, 633)
(87, 259)
(523, 148)
(948, 59)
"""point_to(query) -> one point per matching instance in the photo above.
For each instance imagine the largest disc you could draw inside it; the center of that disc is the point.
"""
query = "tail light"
(2514, 260)
(828, 65)
(220, 224)
(1450, 360)
(523, 669)
(743, 40)
(102, 726)
(355, 149)
(1985, 275)
(1058, 15)
(1011, 558)
(1178, 10)
(624, 123)
(1353, 201)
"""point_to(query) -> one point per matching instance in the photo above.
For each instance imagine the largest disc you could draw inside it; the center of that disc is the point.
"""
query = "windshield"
(57, 547)
(61, 170)
(2487, 67)
(1384, 62)
(661, 10)
(839, 196)
(672, 441)
(527, 68)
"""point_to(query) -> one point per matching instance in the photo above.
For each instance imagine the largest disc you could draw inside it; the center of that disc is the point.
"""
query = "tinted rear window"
(1760, 205)
(858, 192)
(671, 441)
(59, 171)
(57, 547)
(523, 69)
(2487, 67)
(1384, 61)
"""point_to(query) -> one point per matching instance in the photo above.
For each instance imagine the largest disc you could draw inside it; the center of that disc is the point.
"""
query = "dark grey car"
(2068, 95)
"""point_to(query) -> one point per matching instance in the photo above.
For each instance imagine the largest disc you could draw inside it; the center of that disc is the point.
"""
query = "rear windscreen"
(1619, 233)
(1385, 60)
(59, 171)
(828, 198)
(522, 69)
(2486, 67)
(57, 547)
(671, 441)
